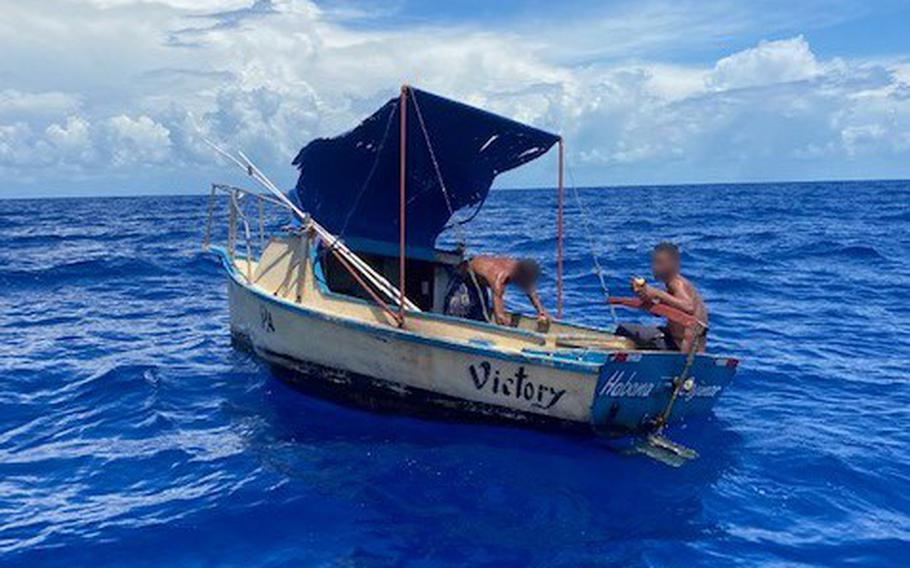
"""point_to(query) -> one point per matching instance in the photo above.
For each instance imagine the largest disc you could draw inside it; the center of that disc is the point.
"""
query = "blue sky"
(110, 96)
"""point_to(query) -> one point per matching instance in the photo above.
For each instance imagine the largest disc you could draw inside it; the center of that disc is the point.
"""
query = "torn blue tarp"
(350, 184)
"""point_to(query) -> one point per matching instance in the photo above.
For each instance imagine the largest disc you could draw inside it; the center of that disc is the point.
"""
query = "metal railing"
(239, 221)
(239, 226)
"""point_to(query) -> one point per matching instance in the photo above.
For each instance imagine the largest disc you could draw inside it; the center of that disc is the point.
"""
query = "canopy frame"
(402, 209)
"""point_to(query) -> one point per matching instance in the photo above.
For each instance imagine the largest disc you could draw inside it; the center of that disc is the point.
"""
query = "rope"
(598, 269)
(362, 266)
(480, 294)
(372, 276)
(366, 182)
(460, 235)
(442, 184)
(680, 381)
(471, 216)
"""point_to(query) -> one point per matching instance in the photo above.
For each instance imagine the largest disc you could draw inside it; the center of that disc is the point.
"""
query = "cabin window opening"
(420, 274)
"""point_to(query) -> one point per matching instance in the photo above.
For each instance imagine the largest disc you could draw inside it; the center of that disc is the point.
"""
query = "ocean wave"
(80, 271)
(132, 431)
(835, 252)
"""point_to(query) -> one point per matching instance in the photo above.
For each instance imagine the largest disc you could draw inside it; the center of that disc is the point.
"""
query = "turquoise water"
(133, 433)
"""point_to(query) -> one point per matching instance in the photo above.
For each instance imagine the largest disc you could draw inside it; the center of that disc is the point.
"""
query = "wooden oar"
(657, 309)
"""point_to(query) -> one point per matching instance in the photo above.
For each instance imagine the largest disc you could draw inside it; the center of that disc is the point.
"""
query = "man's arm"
(679, 299)
(499, 305)
(535, 301)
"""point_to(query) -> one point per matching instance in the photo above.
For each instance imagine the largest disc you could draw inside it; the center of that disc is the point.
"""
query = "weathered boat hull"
(408, 366)
(374, 394)
(612, 393)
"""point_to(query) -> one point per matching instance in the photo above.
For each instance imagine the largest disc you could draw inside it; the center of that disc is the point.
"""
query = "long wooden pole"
(331, 241)
(560, 198)
(402, 176)
(385, 307)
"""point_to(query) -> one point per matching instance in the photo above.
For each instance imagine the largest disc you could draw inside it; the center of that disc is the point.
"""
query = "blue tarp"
(350, 183)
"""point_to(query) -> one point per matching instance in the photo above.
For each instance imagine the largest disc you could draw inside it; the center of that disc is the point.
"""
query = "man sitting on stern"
(680, 294)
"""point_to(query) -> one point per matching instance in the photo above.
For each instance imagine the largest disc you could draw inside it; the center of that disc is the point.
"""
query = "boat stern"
(635, 388)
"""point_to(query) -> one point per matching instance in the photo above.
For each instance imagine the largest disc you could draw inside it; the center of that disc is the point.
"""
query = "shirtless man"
(680, 294)
(496, 273)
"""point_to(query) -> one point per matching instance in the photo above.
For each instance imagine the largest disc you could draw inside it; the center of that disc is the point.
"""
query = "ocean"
(132, 433)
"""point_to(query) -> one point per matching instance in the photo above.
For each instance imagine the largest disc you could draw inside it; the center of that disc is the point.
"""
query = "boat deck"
(289, 270)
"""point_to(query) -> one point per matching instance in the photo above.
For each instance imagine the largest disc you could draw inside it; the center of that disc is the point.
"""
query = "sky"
(113, 97)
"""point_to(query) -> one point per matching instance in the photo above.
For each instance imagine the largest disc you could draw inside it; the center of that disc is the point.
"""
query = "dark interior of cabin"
(420, 275)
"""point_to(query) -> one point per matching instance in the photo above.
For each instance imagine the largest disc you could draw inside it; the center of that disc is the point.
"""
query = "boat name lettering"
(619, 385)
(703, 391)
(517, 385)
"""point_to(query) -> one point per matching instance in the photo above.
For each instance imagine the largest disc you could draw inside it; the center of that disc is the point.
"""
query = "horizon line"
(531, 188)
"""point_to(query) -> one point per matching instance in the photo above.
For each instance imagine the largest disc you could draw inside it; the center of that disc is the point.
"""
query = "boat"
(349, 299)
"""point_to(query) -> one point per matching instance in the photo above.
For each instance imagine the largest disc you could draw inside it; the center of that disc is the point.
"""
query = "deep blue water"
(133, 433)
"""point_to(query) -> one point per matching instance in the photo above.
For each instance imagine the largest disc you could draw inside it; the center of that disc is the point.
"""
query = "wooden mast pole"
(560, 197)
(402, 175)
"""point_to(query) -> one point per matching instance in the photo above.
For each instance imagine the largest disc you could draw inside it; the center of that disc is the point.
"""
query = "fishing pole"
(331, 240)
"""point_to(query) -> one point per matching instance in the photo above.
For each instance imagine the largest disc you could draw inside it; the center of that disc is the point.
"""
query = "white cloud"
(14, 144)
(14, 102)
(72, 140)
(770, 62)
(126, 82)
(138, 141)
(194, 5)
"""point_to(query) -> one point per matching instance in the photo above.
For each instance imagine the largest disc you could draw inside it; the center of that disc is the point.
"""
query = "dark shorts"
(648, 336)
(466, 300)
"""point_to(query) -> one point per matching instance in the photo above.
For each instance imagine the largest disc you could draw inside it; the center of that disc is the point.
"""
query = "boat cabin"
(429, 273)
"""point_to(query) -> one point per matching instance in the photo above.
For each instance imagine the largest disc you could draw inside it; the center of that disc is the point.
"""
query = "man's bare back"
(497, 272)
(682, 290)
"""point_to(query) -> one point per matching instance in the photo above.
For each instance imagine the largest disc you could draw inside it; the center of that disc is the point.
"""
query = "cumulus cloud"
(72, 139)
(179, 4)
(140, 80)
(138, 141)
(15, 147)
(770, 62)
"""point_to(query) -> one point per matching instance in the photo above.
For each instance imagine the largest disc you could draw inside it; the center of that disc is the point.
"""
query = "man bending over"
(495, 273)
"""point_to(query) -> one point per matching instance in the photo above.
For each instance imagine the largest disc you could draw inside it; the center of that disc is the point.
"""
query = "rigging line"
(598, 269)
(251, 170)
(442, 183)
(480, 295)
(366, 182)
(338, 248)
(470, 217)
(374, 277)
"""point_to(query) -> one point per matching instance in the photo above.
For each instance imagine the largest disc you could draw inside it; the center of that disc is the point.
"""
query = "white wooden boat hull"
(612, 392)
(327, 349)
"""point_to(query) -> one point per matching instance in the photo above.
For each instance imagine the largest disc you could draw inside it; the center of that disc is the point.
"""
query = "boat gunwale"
(476, 348)
(538, 338)
(529, 358)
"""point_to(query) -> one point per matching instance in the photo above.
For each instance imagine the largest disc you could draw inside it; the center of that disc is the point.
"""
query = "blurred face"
(526, 275)
(664, 265)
